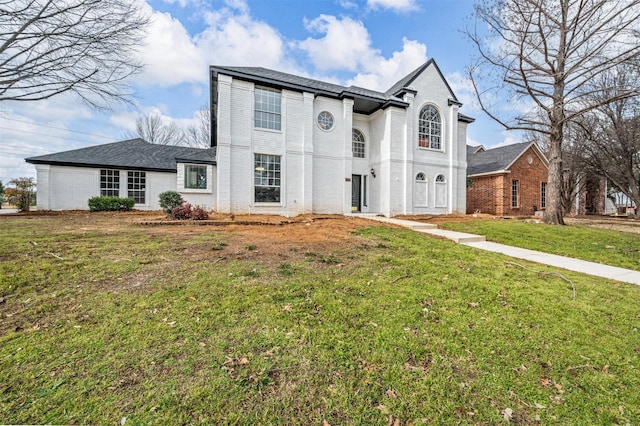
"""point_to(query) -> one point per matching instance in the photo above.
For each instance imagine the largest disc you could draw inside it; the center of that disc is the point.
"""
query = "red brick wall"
(483, 194)
(492, 194)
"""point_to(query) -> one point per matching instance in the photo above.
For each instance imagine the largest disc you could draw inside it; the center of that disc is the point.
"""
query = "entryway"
(356, 198)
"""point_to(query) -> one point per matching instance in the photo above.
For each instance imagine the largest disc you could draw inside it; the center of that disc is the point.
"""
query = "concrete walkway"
(480, 242)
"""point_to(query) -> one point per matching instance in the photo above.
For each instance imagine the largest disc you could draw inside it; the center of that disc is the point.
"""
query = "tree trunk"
(553, 211)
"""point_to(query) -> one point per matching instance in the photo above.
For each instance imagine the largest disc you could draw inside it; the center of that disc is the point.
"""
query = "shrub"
(22, 194)
(110, 204)
(186, 211)
(169, 200)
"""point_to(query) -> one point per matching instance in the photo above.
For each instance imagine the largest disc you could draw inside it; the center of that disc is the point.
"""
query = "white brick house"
(288, 145)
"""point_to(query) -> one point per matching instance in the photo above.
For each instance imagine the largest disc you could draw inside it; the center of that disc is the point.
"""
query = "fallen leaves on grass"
(507, 413)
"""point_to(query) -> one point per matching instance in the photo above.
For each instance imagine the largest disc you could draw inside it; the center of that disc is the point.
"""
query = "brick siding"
(492, 194)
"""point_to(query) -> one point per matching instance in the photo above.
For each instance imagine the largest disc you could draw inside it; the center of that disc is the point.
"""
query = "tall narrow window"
(357, 144)
(195, 176)
(267, 108)
(441, 191)
(420, 190)
(430, 128)
(515, 194)
(137, 186)
(109, 183)
(543, 195)
(266, 178)
(364, 190)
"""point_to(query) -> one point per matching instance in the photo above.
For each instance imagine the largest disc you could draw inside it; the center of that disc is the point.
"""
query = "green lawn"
(104, 321)
(605, 246)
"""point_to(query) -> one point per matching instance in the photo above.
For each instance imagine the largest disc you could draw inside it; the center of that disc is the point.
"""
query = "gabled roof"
(474, 149)
(366, 101)
(132, 154)
(404, 83)
(498, 160)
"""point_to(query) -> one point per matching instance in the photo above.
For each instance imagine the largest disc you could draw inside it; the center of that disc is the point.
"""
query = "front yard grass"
(609, 247)
(105, 323)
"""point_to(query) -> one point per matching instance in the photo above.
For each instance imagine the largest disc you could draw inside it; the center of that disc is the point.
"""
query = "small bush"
(110, 204)
(186, 211)
(169, 200)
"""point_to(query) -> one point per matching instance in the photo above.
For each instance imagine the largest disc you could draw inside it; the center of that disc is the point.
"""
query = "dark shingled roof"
(495, 159)
(473, 149)
(409, 78)
(365, 101)
(133, 154)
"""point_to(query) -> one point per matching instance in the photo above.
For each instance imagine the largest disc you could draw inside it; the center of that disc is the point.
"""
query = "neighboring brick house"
(288, 145)
(509, 180)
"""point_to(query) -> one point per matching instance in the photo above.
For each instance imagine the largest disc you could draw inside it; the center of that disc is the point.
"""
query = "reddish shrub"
(186, 211)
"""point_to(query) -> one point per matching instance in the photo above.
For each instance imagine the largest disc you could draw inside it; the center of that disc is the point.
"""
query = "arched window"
(420, 191)
(430, 128)
(357, 145)
(441, 191)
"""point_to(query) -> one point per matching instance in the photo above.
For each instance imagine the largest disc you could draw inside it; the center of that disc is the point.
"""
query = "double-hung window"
(267, 108)
(195, 176)
(109, 183)
(137, 186)
(543, 195)
(266, 178)
(515, 194)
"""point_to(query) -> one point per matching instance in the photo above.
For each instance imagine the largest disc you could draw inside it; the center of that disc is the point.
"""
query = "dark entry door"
(356, 199)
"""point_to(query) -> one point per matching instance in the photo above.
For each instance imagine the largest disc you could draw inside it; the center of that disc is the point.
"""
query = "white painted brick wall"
(317, 165)
(69, 188)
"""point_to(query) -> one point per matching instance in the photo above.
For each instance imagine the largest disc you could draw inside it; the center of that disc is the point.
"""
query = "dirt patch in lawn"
(614, 223)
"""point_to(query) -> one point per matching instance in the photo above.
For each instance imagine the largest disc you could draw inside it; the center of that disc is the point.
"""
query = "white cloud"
(381, 73)
(396, 5)
(182, 3)
(346, 44)
(347, 4)
(463, 89)
(232, 39)
(330, 52)
(27, 135)
(170, 54)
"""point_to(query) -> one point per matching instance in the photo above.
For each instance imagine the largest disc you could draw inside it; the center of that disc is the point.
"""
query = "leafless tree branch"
(86, 47)
(548, 52)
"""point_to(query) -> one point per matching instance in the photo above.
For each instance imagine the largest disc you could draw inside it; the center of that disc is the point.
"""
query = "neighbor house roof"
(497, 160)
(474, 149)
(366, 101)
(132, 154)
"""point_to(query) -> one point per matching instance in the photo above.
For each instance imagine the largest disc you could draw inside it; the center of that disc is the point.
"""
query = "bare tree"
(198, 135)
(611, 133)
(86, 47)
(573, 173)
(543, 54)
(153, 129)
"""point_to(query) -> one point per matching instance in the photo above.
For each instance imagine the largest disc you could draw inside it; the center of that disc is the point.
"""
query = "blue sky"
(369, 43)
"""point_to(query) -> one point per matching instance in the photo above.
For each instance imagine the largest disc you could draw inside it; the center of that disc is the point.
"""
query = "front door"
(356, 199)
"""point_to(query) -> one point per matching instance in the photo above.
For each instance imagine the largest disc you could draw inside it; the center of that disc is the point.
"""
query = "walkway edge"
(479, 242)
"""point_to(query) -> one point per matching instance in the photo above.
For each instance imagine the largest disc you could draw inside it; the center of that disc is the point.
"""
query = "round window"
(325, 120)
